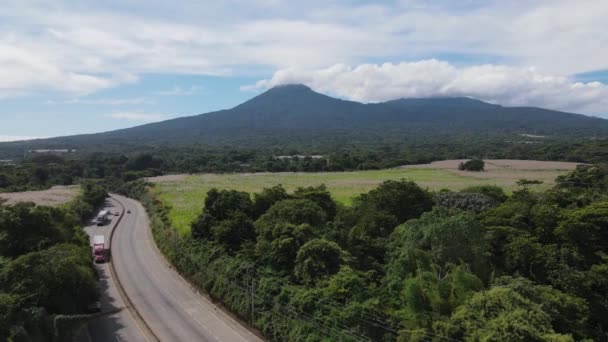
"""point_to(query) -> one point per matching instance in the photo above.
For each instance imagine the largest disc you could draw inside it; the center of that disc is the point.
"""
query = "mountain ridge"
(291, 114)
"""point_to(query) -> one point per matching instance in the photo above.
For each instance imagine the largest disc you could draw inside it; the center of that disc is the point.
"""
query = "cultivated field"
(54, 196)
(186, 193)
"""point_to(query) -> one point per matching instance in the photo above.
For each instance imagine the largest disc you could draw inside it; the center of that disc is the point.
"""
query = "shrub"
(472, 165)
(465, 201)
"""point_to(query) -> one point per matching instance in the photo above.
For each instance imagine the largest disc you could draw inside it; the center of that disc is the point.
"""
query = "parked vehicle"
(102, 217)
(99, 248)
(94, 307)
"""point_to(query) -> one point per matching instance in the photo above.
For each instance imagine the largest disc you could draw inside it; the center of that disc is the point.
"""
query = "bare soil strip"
(54, 196)
(501, 164)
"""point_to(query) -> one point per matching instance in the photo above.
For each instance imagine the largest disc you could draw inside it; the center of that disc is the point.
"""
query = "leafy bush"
(465, 201)
(472, 165)
(396, 267)
(493, 191)
(45, 266)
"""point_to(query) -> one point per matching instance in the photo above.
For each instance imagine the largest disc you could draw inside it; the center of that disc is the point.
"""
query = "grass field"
(54, 196)
(185, 194)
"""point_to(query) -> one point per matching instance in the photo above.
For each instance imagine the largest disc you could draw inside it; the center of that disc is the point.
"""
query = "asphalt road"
(165, 301)
(120, 326)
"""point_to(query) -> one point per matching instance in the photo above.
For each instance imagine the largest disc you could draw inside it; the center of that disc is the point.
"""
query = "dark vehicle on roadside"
(94, 307)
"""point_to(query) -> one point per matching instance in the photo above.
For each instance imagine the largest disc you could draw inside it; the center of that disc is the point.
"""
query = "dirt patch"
(167, 178)
(500, 164)
(54, 196)
(505, 172)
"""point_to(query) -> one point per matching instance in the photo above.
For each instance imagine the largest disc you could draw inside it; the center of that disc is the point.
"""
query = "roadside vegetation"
(403, 263)
(46, 273)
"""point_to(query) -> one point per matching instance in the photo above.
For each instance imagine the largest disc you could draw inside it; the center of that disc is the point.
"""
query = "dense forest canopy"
(39, 171)
(405, 264)
(46, 269)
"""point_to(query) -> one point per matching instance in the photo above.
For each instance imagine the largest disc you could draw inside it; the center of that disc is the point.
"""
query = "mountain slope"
(296, 115)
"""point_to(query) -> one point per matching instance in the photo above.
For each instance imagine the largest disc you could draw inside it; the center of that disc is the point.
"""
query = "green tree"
(234, 231)
(367, 239)
(403, 199)
(446, 237)
(317, 259)
(234, 207)
(500, 314)
(321, 196)
(294, 211)
(267, 198)
(466, 201)
(433, 294)
(594, 289)
(568, 314)
(586, 230)
(472, 165)
(527, 182)
(220, 204)
(345, 286)
(5, 181)
(143, 161)
(584, 177)
(279, 247)
(493, 191)
(61, 278)
(25, 227)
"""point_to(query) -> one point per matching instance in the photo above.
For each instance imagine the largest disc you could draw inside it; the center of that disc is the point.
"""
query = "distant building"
(299, 156)
(50, 151)
(7, 162)
(535, 136)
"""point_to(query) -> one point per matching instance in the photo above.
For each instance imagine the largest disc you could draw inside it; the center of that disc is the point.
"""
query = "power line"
(338, 304)
(231, 281)
(372, 320)
(321, 325)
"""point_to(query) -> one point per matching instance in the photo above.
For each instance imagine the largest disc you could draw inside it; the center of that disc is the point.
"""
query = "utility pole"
(251, 292)
(252, 299)
(175, 243)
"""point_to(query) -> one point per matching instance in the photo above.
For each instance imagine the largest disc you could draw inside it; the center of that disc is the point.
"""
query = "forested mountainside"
(294, 116)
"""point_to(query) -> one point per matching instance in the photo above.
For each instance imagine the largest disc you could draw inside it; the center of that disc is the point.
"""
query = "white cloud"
(179, 91)
(29, 69)
(108, 101)
(85, 47)
(430, 78)
(138, 116)
(4, 138)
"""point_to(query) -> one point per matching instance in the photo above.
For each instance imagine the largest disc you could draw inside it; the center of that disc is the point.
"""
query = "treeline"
(46, 271)
(405, 264)
(43, 171)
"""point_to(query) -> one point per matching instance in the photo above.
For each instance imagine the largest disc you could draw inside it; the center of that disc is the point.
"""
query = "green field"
(185, 194)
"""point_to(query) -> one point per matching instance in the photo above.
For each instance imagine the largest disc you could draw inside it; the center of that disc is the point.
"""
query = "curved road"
(165, 301)
(120, 326)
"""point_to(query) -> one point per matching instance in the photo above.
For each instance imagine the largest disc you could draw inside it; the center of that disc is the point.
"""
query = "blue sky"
(69, 67)
(152, 98)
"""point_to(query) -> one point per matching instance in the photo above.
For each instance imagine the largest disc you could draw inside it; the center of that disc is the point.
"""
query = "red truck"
(99, 248)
